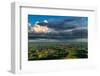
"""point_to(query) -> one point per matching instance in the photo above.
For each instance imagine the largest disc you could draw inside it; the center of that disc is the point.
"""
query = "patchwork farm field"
(57, 50)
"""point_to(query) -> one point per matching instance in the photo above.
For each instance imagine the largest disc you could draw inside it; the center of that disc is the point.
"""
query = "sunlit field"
(57, 50)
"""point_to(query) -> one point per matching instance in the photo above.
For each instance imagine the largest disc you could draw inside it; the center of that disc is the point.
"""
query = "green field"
(57, 50)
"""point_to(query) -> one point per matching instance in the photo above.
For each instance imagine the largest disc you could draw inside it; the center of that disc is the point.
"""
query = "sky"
(82, 21)
(59, 27)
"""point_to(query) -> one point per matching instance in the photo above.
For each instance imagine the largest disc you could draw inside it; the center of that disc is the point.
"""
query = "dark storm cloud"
(65, 34)
(60, 27)
(61, 24)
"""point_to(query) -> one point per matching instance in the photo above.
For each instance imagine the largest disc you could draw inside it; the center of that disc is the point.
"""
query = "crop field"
(57, 50)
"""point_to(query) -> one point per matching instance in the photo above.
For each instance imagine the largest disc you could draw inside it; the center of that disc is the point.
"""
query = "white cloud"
(40, 29)
(46, 21)
(52, 30)
(29, 27)
(37, 22)
(29, 24)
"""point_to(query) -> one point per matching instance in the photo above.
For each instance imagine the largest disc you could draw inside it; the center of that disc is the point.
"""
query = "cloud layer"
(59, 28)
